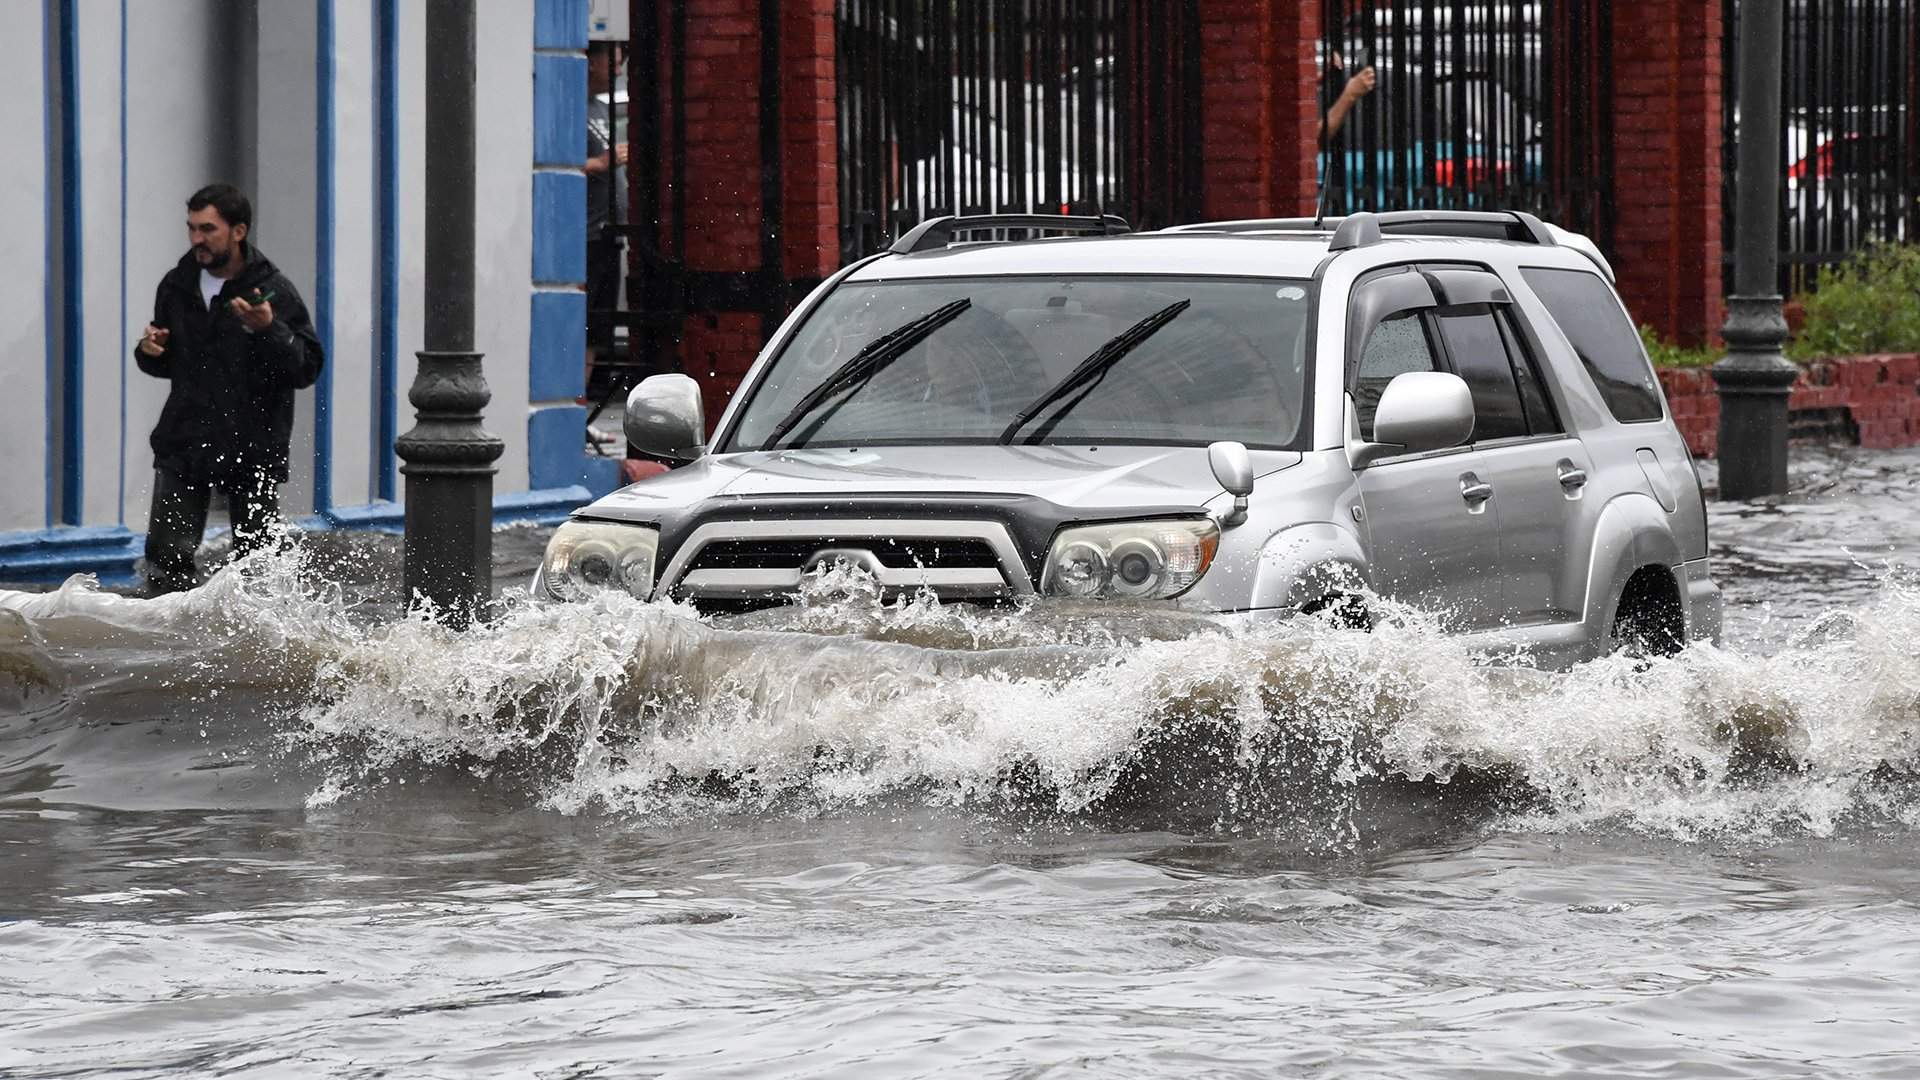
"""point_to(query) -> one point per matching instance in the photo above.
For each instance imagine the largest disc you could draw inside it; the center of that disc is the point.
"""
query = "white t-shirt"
(210, 286)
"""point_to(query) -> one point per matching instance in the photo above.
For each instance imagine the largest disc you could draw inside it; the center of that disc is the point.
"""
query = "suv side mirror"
(666, 419)
(1420, 411)
(1233, 468)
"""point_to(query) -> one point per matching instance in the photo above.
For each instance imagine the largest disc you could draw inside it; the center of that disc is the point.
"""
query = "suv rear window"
(1587, 311)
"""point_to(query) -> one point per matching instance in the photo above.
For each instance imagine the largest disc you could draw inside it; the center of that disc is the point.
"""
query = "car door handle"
(1572, 476)
(1473, 489)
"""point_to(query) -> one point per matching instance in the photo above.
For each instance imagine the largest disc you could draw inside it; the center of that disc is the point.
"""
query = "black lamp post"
(449, 456)
(1755, 380)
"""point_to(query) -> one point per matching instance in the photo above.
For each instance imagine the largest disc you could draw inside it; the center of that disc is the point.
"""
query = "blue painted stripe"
(386, 386)
(120, 486)
(56, 554)
(560, 110)
(50, 288)
(323, 257)
(557, 346)
(560, 24)
(53, 555)
(556, 446)
(559, 227)
(73, 285)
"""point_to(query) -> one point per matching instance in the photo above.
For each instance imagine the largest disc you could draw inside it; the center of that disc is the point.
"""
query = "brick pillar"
(754, 228)
(1260, 104)
(1667, 89)
(809, 93)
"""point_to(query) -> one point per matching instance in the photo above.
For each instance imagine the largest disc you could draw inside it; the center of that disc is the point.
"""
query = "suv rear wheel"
(1648, 620)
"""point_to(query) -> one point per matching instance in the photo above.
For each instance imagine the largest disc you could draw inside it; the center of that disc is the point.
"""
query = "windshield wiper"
(864, 365)
(1090, 371)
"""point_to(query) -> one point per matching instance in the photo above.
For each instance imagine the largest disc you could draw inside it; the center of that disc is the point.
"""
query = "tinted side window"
(1398, 345)
(1609, 348)
(1533, 395)
(1480, 358)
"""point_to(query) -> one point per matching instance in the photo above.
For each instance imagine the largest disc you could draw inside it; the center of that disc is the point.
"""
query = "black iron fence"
(1849, 130)
(1083, 106)
(1477, 104)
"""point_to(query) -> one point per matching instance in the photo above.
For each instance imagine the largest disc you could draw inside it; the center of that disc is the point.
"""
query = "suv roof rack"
(936, 233)
(1363, 228)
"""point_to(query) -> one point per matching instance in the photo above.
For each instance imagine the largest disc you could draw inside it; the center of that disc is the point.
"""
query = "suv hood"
(1104, 477)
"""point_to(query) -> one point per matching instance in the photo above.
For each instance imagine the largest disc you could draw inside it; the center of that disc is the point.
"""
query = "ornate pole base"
(449, 469)
(1754, 382)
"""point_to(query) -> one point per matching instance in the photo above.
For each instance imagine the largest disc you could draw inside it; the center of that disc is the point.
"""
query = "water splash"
(610, 705)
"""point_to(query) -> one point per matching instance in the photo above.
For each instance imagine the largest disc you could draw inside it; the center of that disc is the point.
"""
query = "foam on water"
(611, 705)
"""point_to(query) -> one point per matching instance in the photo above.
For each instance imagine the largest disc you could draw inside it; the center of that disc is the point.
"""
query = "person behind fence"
(231, 335)
(1339, 93)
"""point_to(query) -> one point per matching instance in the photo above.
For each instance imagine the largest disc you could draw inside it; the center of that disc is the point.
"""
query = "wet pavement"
(273, 827)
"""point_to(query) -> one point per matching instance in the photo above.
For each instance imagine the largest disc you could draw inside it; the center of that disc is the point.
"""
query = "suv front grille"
(734, 562)
(948, 553)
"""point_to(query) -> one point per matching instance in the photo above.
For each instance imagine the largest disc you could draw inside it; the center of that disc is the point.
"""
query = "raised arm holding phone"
(230, 333)
(1341, 93)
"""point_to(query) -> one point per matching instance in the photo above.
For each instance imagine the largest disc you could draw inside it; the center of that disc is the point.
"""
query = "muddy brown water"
(272, 827)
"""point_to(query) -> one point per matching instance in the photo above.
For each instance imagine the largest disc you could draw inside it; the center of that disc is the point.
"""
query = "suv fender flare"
(1631, 532)
(1307, 562)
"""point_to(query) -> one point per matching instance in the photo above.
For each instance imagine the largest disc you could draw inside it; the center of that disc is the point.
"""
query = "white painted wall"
(503, 235)
(412, 271)
(285, 211)
(214, 93)
(23, 327)
(355, 252)
(179, 139)
(105, 364)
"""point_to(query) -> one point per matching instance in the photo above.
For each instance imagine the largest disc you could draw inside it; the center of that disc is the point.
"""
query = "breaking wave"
(614, 706)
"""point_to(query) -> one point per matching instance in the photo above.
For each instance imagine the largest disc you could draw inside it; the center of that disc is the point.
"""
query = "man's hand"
(255, 317)
(620, 152)
(1360, 85)
(153, 341)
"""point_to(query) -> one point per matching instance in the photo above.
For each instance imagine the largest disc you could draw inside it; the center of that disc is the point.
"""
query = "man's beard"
(213, 261)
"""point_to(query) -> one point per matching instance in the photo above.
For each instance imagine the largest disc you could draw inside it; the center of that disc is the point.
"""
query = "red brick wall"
(723, 134)
(810, 153)
(1259, 106)
(1881, 394)
(725, 219)
(1667, 168)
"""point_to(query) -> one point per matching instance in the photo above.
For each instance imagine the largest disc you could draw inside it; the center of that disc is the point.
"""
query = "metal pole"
(449, 456)
(1754, 380)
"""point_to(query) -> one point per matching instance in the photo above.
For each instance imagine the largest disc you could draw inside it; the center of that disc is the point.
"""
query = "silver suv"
(1450, 409)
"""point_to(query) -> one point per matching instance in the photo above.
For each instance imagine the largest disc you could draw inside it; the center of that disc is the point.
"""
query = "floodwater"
(271, 828)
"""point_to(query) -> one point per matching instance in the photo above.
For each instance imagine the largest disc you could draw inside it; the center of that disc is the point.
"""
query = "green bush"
(1666, 354)
(1867, 304)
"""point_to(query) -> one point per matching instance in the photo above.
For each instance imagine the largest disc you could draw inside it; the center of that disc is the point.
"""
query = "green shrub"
(1867, 304)
(1665, 354)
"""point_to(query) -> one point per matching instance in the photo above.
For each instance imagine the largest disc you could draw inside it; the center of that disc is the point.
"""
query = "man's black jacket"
(229, 414)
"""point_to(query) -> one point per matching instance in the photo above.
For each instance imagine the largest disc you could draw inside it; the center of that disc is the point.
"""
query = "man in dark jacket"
(229, 331)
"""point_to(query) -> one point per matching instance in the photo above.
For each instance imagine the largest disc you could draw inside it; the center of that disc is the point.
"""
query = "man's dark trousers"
(178, 520)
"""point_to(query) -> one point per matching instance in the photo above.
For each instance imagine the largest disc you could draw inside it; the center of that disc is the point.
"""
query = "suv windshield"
(1177, 361)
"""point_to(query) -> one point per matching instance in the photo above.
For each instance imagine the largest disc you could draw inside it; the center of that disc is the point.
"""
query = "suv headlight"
(588, 555)
(1135, 560)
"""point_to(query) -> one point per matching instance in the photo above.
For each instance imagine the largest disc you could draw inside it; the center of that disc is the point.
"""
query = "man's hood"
(1084, 477)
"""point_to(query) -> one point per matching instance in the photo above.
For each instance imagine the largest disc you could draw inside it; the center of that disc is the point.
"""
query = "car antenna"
(1320, 186)
(1320, 198)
